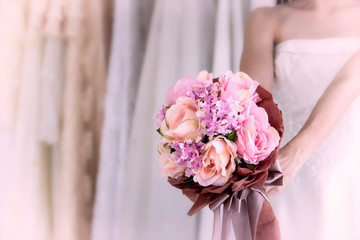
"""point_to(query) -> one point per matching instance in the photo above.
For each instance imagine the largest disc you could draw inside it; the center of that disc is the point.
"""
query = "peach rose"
(168, 164)
(204, 76)
(239, 86)
(256, 138)
(218, 162)
(180, 121)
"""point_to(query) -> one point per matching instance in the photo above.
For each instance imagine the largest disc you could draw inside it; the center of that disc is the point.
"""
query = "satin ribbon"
(242, 209)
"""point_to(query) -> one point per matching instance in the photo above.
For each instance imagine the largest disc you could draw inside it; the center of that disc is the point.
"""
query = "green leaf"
(231, 136)
(250, 166)
(167, 107)
(243, 164)
(189, 180)
(158, 130)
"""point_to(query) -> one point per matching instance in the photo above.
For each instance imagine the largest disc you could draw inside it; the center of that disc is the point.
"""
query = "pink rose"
(180, 89)
(168, 164)
(181, 121)
(256, 138)
(218, 162)
(239, 86)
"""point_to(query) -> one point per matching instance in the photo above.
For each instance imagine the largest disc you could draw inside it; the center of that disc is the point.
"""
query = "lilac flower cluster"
(159, 116)
(217, 116)
(187, 154)
(206, 91)
(237, 114)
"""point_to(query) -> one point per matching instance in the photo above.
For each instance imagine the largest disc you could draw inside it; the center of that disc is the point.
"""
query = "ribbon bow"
(243, 209)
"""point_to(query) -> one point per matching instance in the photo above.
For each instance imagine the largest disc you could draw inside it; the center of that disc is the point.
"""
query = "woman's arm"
(257, 56)
(327, 112)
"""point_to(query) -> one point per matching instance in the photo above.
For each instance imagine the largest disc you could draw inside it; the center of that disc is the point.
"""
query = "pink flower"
(239, 86)
(181, 121)
(205, 76)
(256, 138)
(159, 116)
(167, 163)
(218, 162)
(180, 89)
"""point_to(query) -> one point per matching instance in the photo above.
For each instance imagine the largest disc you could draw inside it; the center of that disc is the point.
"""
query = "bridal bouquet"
(219, 142)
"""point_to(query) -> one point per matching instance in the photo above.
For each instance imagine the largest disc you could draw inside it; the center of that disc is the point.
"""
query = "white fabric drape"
(130, 27)
(174, 48)
(133, 201)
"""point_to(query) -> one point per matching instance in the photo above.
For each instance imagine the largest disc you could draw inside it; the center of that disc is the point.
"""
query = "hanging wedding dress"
(132, 18)
(26, 201)
(11, 48)
(12, 51)
(84, 82)
(40, 190)
(322, 201)
(51, 97)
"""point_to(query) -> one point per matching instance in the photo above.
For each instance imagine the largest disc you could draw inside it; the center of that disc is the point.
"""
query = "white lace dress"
(322, 201)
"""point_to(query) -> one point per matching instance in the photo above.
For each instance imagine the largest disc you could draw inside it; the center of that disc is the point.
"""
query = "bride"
(306, 52)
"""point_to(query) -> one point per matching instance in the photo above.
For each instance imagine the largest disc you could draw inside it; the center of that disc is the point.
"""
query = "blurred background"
(79, 83)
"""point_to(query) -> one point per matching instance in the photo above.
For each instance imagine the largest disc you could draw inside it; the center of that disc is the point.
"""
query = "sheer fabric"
(130, 28)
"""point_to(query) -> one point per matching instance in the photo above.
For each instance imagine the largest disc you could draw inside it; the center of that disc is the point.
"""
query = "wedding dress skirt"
(322, 201)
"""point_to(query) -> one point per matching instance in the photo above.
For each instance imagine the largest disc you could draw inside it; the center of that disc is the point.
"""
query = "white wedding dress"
(322, 201)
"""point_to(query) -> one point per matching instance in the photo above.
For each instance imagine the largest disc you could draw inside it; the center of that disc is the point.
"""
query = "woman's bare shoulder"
(261, 20)
(271, 13)
(259, 38)
(266, 19)
(263, 14)
(270, 22)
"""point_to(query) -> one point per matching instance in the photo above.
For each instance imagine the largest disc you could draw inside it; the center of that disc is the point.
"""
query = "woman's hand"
(290, 160)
